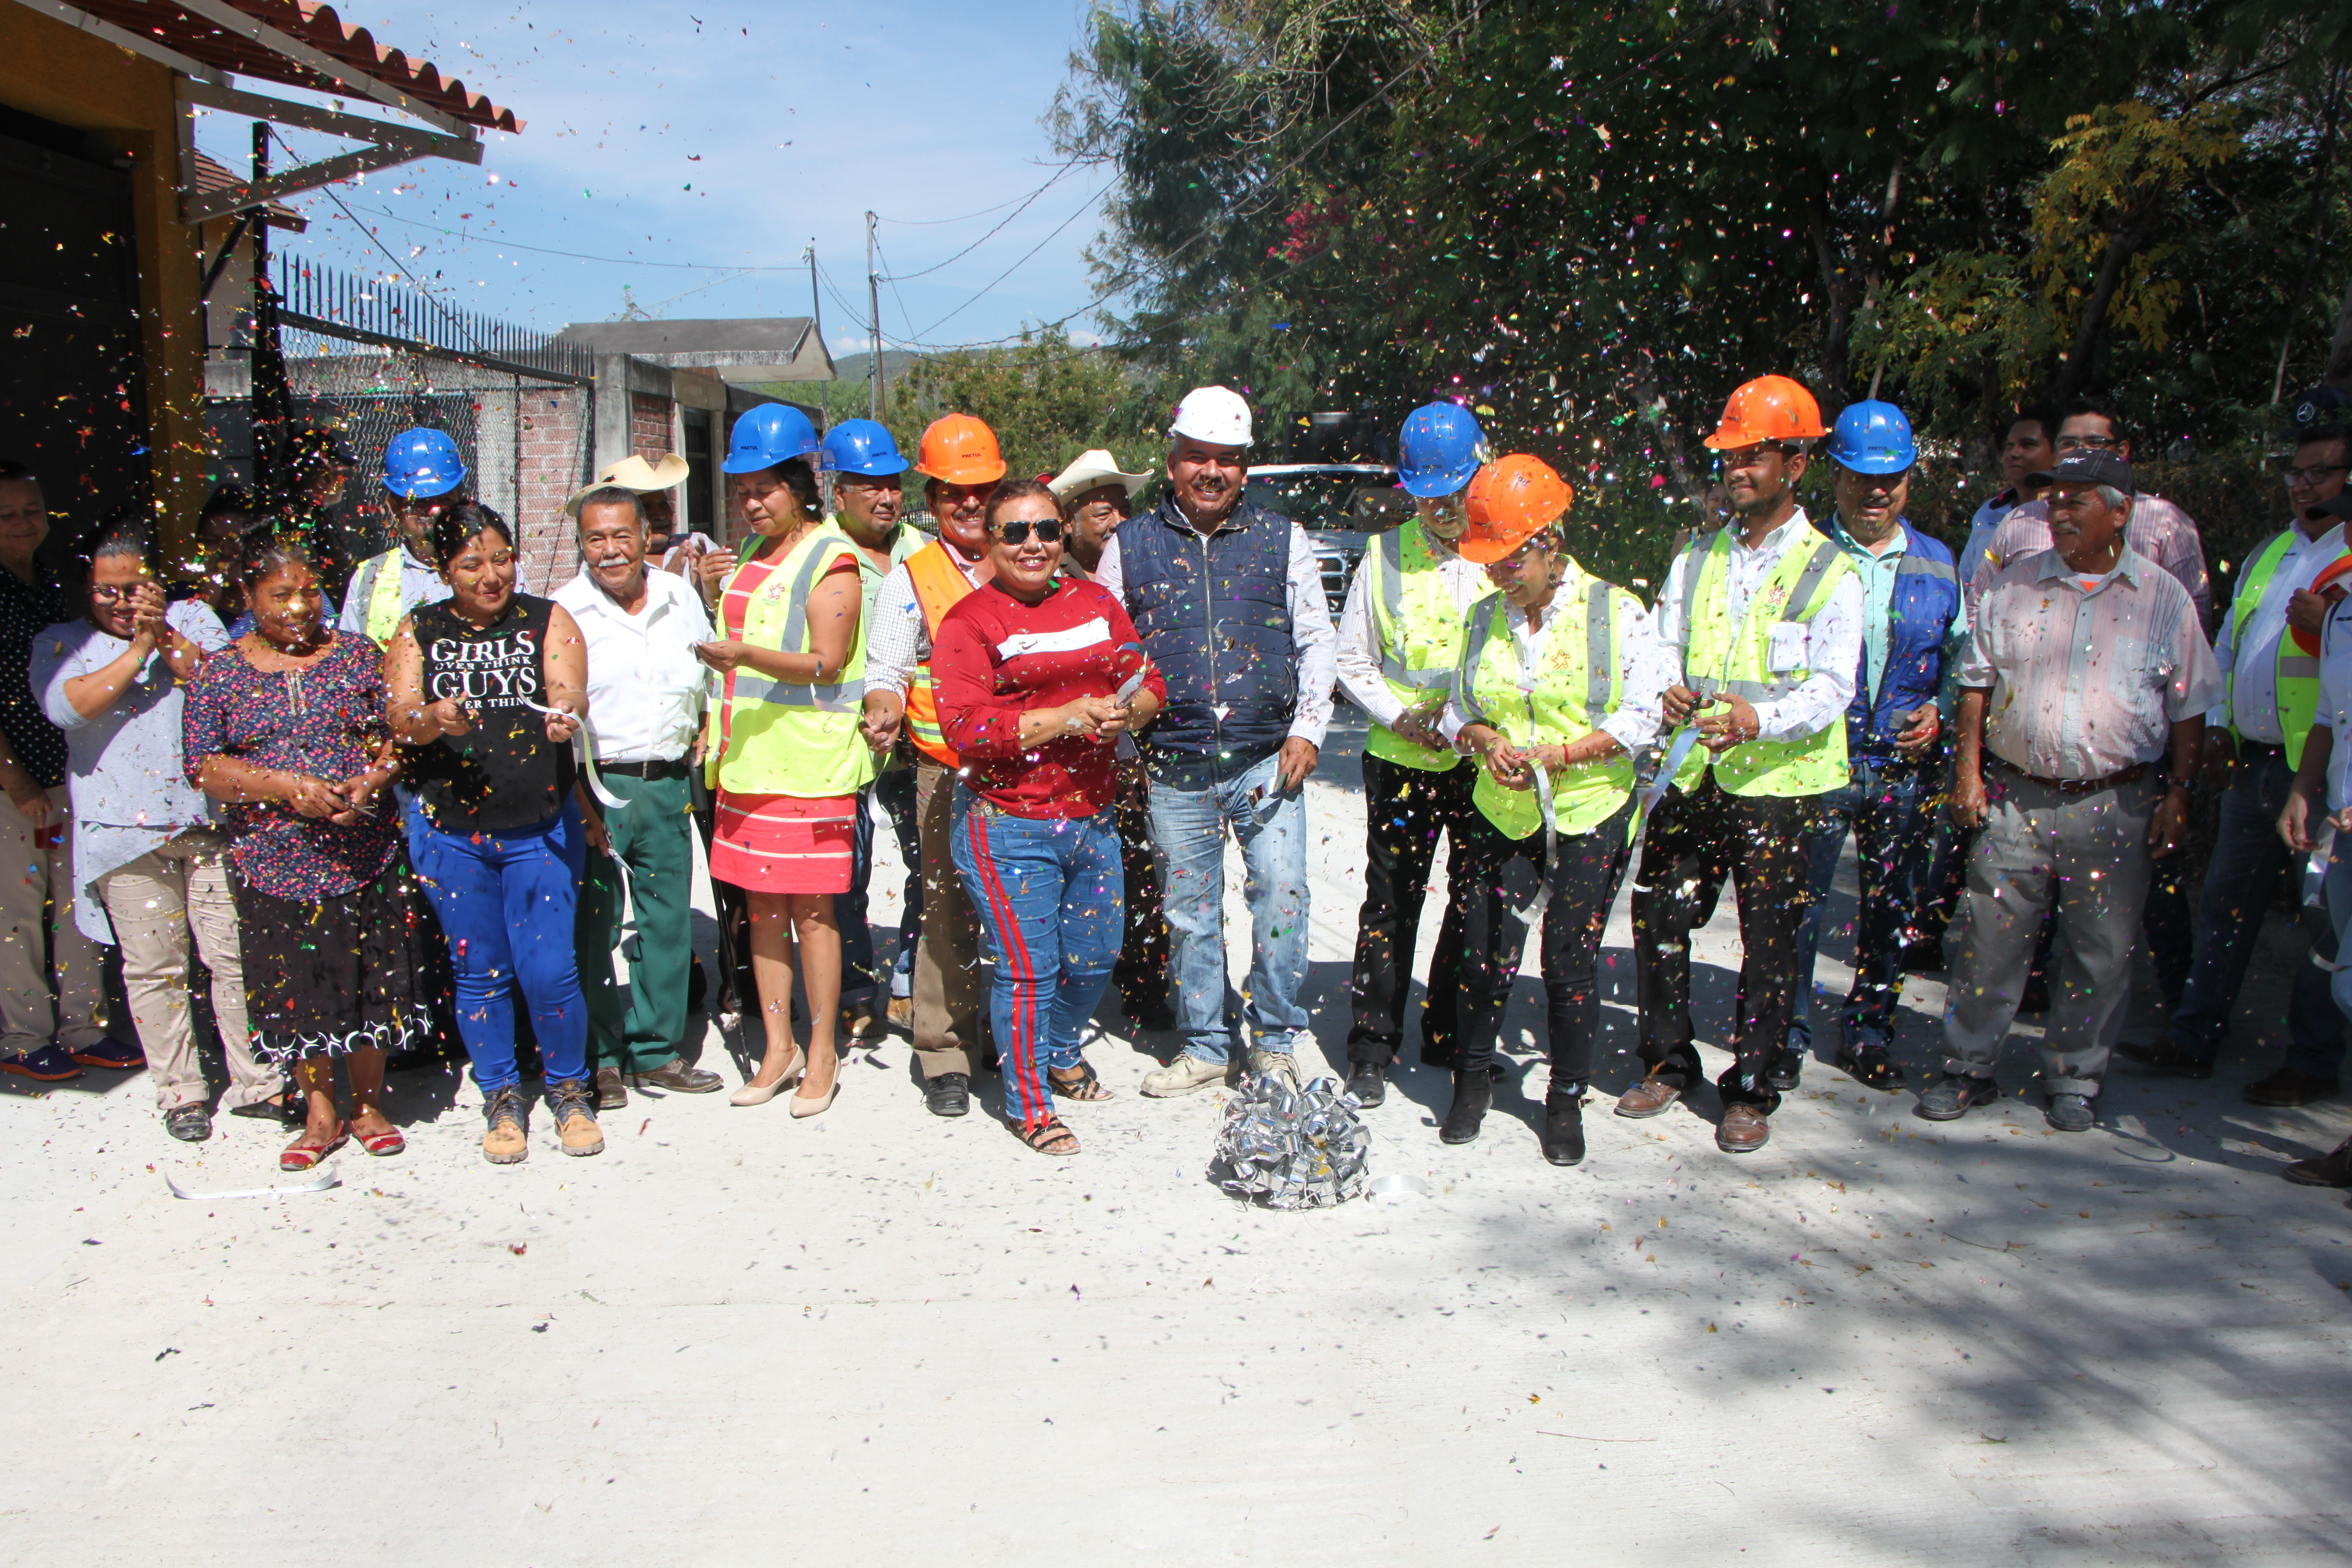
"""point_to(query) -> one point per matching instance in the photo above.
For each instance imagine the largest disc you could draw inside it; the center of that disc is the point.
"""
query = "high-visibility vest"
(1420, 634)
(939, 586)
(2297, 676)
(1573, 688)
(386, 607)
(796, 738)
(1719, 658)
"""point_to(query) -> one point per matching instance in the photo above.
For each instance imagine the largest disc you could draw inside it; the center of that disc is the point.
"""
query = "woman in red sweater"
(1033, 670)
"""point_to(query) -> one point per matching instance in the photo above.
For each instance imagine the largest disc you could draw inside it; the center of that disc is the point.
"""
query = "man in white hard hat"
(1228, 600)
(1098, 496)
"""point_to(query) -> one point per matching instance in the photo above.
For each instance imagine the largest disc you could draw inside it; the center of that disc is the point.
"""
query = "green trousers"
(653, 838)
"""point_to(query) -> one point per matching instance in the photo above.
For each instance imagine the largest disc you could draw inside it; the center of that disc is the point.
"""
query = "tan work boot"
(572, 1101)
(503, 1142)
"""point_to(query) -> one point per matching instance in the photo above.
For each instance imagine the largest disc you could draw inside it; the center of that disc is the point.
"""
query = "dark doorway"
(699, 510)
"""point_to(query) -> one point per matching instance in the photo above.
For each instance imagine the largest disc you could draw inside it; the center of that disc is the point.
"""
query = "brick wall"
(649, 422)
(554, 453)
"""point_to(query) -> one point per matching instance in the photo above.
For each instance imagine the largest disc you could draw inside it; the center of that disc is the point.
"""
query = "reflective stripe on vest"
(2296, 681)
(790, 738)
(1412, 610)
(385, 608)
(1738, 658)
(1562, 699)
(939, 586)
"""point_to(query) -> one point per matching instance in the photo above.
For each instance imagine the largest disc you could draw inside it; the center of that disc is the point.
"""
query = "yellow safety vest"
(2298, 676)
(1719, 658)
(1563, 699)
(386, 607)
(1419, 635)
(793, 738)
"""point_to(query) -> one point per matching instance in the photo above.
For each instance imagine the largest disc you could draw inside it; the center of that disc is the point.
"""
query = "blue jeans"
(2248, 859)
(859, 980)
(1048, 893)
(1194, 800)
(506, 901)
(1885, 806)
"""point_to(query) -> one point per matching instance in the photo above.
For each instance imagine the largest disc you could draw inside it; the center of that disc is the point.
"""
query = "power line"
(1016, 266)
(469, 237)
(1026, 204)
(936, 222)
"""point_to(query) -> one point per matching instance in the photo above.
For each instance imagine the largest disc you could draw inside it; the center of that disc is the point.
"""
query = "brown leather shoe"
(1744, 1130)
(611, 1093)
(677, 1077)
(1648, 1098)
(2289, 1087)
(2333, 1169)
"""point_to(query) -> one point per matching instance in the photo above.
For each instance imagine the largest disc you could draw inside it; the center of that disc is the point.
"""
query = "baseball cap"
(2087, 466)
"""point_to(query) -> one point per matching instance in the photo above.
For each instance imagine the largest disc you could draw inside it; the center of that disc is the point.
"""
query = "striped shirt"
(2158, 531)
(2087, 681)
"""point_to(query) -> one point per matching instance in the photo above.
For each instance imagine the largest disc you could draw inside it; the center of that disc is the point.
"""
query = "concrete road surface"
(875, 1337)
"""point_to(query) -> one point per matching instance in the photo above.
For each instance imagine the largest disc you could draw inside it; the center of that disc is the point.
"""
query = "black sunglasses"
(1049, 532)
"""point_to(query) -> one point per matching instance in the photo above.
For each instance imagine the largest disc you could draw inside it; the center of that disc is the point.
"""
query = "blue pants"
(1193, 801)
(1885, 806)
(506, 901)
(1047, 891)
(860, 982)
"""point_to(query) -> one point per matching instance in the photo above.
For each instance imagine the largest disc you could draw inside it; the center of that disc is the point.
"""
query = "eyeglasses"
(2315, 475)
(108, 594)
(2069, 443)
(1049, 532)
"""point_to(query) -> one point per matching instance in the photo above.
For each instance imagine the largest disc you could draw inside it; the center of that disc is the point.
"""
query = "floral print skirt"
(340, 975)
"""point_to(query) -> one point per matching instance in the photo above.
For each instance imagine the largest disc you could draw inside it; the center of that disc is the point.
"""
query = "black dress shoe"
(949, 1094)
(674, 1077)
(1781, 1073)
(2164, 1057)
(1368, 1085)
(2291, 1087)
(1473, 1093)
(1871, 1066)
(189, 1124)
(1563, 1130)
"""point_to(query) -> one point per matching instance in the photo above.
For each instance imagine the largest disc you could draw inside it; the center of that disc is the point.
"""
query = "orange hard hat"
(957, 449)
(1769, 408)
(1511, 501)
(2332, 578)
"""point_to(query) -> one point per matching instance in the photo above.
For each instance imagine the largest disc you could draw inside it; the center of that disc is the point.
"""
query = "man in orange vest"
(960, 467)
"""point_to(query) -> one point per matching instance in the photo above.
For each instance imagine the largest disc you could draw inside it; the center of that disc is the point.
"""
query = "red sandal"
(301, 1156)
(380, 1144)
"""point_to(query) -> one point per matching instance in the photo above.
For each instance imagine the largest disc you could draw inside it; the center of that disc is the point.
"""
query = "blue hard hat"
(1873, 437)
(421, 463)
(771, 434)
(1440, 449)
(862, 447)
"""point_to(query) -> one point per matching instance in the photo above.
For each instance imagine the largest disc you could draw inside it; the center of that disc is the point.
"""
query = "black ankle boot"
(1563, 1133)
(1473, 1093)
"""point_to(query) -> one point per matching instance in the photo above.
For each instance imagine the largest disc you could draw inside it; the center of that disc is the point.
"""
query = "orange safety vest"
(939, 584)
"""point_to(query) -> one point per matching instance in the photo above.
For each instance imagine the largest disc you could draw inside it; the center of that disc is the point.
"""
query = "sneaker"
(1278, 1064)
(2070, 1112)
(1954, 1095)
(611, 1094)
(48, 1064)
(189, 1124)
(503, 1141)
(1188, 1074)
(1368, 1084)
(572, 1103)
(110, 1054)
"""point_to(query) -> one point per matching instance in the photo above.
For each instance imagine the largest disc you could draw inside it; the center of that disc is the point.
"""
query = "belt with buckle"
(643, 770)
(2131, 774)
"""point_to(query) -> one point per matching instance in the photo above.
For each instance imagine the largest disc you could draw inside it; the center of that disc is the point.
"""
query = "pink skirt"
(783, 843)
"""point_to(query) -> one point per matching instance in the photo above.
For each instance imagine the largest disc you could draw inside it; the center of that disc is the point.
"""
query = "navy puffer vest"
(1215, 615)
(1925, 601)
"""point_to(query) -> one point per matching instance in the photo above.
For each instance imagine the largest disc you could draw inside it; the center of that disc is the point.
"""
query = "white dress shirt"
(645, 687)
(1642, 672)
(2253, 702)
(1310, 628)
(898, 637)
(1833, 652)
(1357, 653)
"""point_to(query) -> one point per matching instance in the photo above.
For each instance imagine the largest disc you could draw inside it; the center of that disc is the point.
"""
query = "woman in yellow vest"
(1557, 685)
(787, 759)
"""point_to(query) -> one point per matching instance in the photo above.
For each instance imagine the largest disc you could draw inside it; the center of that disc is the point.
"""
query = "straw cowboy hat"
(633, 473)
(1092, 469)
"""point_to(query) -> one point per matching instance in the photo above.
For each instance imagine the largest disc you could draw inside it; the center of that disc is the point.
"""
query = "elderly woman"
(148, 864)
(789, 760)
(1557, 686)
(487, 690)
(286, 727)
(1038, 674)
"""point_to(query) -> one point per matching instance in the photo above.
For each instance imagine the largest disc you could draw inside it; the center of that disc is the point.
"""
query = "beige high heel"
(805, 1107)
(761, 1093)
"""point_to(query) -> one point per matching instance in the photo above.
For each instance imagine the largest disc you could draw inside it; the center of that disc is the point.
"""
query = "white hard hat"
(1216, 415)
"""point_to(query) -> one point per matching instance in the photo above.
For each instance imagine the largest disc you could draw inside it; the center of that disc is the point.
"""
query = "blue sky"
(678, 140)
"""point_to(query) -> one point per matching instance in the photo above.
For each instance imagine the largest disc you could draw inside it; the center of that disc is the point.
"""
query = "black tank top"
(505, 773)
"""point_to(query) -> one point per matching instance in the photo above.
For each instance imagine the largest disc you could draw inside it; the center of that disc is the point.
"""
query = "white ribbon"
(586, 742)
